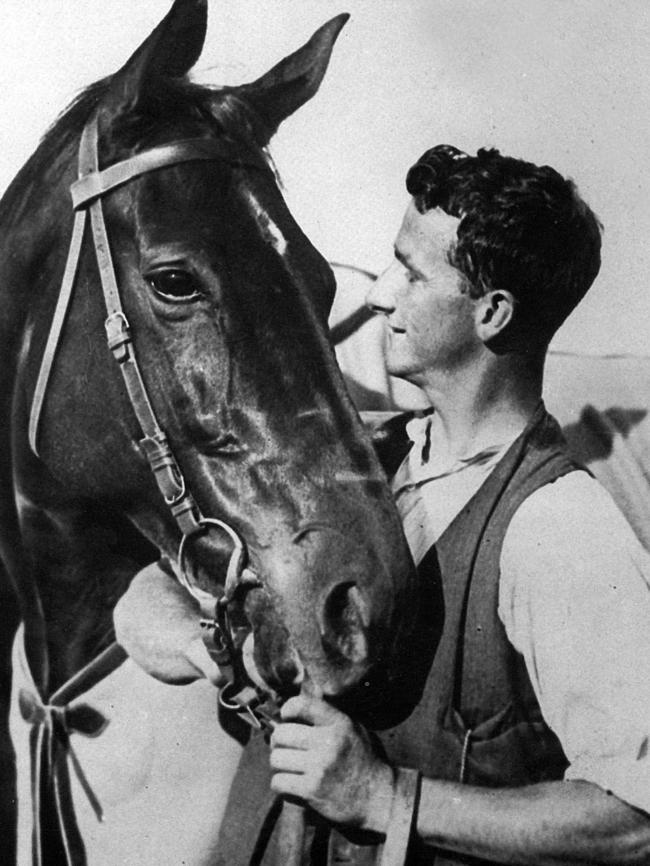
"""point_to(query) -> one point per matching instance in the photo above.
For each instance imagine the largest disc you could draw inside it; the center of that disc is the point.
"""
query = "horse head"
(227, 303)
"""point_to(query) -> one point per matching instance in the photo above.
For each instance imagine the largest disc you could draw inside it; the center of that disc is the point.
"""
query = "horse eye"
(175, 285)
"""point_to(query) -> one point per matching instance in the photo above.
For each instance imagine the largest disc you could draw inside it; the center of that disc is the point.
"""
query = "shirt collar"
(424, 464)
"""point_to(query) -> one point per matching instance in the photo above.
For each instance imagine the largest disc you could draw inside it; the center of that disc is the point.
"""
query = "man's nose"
(381, 295)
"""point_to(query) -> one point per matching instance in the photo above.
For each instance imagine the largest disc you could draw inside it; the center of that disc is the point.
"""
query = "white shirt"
(430, 492)
(574, 599)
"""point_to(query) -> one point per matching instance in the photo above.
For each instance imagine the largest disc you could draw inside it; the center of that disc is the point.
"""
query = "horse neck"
(35, 221)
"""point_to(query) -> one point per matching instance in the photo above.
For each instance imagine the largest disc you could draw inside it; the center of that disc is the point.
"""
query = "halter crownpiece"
(87, 192)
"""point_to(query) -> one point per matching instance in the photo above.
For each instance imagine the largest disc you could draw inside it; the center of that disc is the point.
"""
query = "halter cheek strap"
(118, 333)
(87, 192)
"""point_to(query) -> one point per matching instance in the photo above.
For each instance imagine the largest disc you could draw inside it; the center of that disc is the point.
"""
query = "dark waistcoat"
(479, 721)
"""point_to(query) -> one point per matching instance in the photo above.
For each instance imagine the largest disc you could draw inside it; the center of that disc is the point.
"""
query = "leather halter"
(87, 192)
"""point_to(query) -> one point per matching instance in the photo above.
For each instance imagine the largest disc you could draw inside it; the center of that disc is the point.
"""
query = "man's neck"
(484, 405)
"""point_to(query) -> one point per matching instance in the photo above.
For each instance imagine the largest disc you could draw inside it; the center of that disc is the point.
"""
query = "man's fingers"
(289, 760)
(312, 689)
(309, 709)
(292, 736)
(289, 785)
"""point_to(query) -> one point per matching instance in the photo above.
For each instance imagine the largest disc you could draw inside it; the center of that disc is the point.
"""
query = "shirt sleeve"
(574, 598)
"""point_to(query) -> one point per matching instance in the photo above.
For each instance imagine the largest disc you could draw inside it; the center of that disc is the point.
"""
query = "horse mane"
(168, 101)
(58, 138)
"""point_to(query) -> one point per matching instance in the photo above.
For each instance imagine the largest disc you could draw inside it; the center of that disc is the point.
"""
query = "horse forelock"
(179, 108)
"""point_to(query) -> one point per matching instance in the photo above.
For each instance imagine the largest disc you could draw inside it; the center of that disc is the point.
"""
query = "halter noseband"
(87, 192)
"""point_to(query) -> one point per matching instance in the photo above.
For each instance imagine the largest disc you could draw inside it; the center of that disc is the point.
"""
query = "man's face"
(430, 320)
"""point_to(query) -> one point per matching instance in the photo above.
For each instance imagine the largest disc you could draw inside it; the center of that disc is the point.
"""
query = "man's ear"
(493, 313)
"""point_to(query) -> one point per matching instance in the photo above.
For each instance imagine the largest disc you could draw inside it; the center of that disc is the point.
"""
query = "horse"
(222, 441)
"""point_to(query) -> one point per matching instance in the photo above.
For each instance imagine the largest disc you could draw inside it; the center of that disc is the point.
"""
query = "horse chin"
(360, 694)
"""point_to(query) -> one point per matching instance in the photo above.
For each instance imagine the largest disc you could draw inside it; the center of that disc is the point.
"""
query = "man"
(533, 734)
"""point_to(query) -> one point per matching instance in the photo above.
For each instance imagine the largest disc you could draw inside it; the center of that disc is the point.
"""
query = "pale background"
(557, 81)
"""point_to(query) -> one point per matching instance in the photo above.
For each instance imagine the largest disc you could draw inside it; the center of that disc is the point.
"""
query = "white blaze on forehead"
(269, 230)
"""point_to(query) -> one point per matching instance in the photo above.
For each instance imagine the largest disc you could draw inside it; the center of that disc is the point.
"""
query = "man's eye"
(175, 285)
(409, 274)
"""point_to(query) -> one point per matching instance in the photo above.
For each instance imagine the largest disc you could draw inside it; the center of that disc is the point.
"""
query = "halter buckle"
(165, 469)
(118, 335)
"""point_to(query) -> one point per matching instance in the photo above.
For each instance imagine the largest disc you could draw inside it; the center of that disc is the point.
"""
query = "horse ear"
(171, 50)
(295, 79)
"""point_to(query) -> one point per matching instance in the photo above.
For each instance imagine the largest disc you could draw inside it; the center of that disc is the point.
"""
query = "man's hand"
(320, 756)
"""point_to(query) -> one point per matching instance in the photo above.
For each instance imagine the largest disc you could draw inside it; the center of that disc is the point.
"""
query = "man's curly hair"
(523, 229)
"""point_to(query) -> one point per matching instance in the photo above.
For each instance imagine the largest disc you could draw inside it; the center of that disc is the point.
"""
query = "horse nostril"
(344, 623)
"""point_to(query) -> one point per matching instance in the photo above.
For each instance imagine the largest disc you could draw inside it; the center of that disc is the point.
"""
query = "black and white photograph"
(325, 460)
